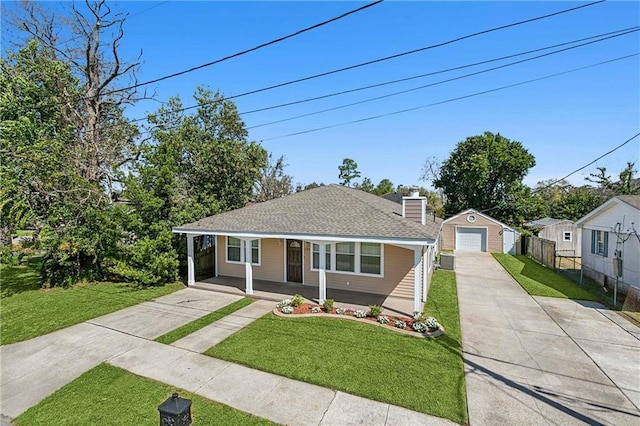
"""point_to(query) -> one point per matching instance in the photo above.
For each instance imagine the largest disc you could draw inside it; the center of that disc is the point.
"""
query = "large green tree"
(485, 172)
(193, 166)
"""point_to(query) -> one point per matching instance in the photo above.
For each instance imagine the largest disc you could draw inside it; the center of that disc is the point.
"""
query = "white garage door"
(471, 239)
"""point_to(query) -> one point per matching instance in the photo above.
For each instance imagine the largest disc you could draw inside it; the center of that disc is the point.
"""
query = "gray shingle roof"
(545, 221)
(331, 210)
(632, 200)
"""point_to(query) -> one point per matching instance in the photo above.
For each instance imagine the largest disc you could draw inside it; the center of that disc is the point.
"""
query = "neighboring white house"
(567, 238)
(611, 242)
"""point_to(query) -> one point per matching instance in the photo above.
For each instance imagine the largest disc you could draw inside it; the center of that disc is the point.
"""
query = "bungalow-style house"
(562, 232)
(611, 242)
(471, 230)
(330, 237)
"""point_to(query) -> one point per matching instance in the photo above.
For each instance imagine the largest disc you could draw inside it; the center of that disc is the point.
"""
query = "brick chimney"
(414, 207)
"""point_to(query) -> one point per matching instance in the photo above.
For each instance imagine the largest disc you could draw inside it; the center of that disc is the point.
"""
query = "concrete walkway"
(538, 360)
(33, 369)
(266, 395)
(216, 332)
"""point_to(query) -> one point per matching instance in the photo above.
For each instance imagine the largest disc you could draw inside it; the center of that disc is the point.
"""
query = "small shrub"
(297, 300)
(283, 303)
(360, 314)
(328, 305)
(374, 311)
(315, 310)
(383, 320)
(432, 323)
(399, 323)
(287, 310)
(420, 327)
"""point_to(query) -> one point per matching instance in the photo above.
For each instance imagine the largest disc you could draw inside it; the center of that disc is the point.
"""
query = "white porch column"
(417, 280)
(248, 274)
(191, 270)
(426, 268)
(322, 276)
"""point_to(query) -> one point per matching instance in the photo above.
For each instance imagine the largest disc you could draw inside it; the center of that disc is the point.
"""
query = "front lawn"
(19, 278)
(108, 395)
(28, 311)
(540, 281)
(424, 375)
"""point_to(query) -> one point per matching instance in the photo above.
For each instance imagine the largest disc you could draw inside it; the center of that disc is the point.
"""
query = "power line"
(450, 100)
(534, 191)
(433, 46)
(587, 165)
(431, 73)
(244, 52)
(442, 81)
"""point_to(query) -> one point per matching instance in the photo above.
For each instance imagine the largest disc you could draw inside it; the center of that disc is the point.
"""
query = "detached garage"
(475, 231)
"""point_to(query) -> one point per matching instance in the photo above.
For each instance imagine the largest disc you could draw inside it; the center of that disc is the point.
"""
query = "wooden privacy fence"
(544, 251)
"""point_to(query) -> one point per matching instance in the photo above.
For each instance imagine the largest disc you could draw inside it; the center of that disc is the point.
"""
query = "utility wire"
(433, 46)
(431, 73)
(587, 165)
(450, 100)
(244, 52)
(441, 81)
(534, 191)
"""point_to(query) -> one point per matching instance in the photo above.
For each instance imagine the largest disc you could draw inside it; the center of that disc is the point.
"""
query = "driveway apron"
(523, 367)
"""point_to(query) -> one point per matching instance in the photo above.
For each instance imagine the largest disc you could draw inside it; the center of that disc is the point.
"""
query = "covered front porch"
(401, 271)
(277, 291)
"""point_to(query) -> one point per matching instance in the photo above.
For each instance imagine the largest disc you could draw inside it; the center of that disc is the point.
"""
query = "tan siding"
(413, 210)
(494, 232)
(271, 261)
(398, 272)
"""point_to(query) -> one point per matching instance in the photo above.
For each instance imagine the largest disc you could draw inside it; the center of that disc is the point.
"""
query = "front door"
(294, 261)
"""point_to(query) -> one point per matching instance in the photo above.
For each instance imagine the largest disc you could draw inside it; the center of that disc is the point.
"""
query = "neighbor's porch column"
(417, 279)
(322, 276)
(191, 271)
(248, 274)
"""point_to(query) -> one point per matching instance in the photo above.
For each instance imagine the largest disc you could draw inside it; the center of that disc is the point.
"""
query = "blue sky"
(566, 121)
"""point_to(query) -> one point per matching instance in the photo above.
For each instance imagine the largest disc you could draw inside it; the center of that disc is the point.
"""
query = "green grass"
(28, 311)
(540, 281)
(108, 395)
(425, 375)
(23, 233)
(196, 325)
(20, 278)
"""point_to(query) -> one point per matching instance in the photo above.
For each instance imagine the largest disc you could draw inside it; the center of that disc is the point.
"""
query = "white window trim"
(357, 252)
(564, 236)
(598, 242)
(242, 251)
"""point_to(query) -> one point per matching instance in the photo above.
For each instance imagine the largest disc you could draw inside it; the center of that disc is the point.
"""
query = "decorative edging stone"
(427, 334)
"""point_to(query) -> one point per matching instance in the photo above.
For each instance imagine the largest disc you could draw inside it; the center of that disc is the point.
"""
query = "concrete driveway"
(542, 360)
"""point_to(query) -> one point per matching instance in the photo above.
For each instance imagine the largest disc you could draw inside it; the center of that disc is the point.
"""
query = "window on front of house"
(316, 257)
(346, 257)
(235, 250)
(567, 236)
(600, 242)
(370, 258)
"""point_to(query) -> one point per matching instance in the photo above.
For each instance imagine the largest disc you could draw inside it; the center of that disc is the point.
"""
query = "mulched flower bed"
(306, 310)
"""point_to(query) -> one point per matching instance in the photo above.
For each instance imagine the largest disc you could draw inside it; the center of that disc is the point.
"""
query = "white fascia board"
(309, 237)
(596, 212)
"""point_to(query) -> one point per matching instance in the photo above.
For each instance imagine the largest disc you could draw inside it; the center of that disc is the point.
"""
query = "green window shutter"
(606, 244)
(593, 241)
